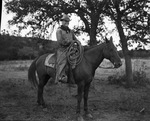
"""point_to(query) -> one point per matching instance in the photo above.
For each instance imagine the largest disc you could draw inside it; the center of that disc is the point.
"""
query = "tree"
(43, 13)
(130, 16)
(132, 19)
(27, 52)
(1, 8)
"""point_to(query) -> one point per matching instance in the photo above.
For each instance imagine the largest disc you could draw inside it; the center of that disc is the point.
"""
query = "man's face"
(65, 22)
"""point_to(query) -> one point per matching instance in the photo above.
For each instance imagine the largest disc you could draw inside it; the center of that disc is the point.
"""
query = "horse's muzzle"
(117, 65)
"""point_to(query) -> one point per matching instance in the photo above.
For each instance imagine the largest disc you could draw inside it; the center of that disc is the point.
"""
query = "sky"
(75, 21)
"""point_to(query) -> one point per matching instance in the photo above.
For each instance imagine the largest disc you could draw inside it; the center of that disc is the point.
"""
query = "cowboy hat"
(65, 17)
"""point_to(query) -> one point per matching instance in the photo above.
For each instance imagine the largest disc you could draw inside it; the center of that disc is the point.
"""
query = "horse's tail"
(32, 74)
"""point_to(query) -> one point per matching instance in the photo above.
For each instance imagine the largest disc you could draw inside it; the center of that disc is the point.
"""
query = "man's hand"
(66, 43)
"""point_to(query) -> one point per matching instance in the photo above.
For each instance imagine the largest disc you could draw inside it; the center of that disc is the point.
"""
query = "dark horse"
(83, 73)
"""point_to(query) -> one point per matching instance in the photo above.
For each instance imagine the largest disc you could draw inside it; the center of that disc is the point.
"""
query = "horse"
(83, 73)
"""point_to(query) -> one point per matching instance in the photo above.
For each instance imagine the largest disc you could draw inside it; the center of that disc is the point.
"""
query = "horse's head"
(110, 53)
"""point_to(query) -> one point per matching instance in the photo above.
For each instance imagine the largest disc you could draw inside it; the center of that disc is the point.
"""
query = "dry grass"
(106, 102)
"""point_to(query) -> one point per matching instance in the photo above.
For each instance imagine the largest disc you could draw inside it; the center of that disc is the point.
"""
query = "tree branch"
(90, 5)
(81, 15)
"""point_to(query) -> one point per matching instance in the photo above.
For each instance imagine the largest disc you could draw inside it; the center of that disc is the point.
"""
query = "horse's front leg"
(86, 93)
(79, 99)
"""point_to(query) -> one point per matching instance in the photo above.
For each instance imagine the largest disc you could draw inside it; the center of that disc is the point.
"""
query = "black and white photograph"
(75, 60)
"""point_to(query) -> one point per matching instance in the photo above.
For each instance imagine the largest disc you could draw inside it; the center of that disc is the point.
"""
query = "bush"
(117, 80)
(4, 55)
(139, 78)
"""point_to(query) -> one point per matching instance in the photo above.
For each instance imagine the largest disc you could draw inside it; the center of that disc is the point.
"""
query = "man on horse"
(65, 37)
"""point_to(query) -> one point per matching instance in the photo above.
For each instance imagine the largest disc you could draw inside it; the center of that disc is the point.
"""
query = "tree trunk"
(92, 37)
(94, 24)
(128, 63)
(129, 73)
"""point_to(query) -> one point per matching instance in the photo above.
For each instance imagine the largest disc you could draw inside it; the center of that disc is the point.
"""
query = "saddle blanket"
(50, 60)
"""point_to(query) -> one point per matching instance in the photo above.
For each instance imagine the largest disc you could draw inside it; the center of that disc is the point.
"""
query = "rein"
(106, 67)
(75, 54)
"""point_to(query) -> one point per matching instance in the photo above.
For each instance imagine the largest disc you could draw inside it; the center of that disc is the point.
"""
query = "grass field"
(107, 102)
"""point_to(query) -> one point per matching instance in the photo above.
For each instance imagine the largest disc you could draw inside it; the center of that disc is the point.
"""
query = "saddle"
(74, 56)
(50, 60)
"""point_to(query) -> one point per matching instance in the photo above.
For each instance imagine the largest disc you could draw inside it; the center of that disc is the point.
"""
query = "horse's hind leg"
(42, 82)
(86, 92)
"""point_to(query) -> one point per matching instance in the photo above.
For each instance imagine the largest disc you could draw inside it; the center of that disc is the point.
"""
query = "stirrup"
(63, 79)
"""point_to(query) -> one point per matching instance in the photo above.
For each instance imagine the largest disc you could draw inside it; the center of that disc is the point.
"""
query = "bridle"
(107, 67)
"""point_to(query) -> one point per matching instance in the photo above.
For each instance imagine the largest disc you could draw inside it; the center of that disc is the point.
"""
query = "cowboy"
(65, 37)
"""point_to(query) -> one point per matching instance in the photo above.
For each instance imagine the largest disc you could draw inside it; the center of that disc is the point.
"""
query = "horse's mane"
(90, 47)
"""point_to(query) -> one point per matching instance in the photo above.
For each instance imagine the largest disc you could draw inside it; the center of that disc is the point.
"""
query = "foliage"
(140, 53)
(13, 48)
(131, 18)
(134, 16)
(41, 14)
(8, 47)
(27, 52)
(139, 77)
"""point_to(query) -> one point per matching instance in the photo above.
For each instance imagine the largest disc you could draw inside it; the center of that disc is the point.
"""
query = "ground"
(107, 102)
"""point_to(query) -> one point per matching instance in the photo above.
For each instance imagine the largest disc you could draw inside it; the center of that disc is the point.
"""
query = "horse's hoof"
(45, 109)
(80, 118)
(89, 115)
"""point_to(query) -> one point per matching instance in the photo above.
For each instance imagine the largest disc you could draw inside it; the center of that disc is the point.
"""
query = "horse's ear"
(107, 41)
(111, 39)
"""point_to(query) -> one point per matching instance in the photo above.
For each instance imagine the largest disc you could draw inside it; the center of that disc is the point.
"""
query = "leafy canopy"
(134, 16)
(41, 14)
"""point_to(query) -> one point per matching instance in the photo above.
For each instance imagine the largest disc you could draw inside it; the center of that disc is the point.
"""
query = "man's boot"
(63, 79)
